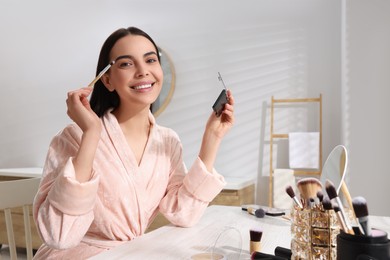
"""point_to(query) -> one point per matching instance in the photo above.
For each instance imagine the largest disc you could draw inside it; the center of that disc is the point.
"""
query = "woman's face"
(136, 75)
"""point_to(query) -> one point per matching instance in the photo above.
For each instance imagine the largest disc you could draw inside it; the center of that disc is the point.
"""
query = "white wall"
(367, 92)
(261, 47)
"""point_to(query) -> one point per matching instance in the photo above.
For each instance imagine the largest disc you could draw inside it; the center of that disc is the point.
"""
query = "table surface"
(232, 183)
(32, 172)
(222, 228)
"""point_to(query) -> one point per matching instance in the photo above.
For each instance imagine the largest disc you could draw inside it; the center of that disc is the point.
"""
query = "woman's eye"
(151, 60)
(125, 64)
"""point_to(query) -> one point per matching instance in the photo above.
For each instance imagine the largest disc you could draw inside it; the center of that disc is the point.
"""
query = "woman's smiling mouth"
(144, 86)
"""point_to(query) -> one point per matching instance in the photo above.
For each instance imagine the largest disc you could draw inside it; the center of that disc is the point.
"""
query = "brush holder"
(313, 233)
(376, 246)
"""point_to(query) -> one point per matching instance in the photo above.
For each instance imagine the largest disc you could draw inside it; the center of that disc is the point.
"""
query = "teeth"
(142, 86)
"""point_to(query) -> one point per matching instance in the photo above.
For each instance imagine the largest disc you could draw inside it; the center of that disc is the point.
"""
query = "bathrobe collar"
(118, 139)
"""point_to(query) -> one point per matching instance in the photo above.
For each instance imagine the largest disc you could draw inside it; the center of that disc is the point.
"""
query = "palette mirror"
(168, 84)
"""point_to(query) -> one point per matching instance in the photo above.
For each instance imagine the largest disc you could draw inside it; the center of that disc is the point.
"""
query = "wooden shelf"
(235, 197)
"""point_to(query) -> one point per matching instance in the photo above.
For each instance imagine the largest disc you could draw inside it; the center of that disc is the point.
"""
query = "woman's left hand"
(219, 126)
(216, 129)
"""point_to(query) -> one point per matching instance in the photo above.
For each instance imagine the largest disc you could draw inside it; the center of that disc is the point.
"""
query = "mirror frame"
(342, 162)
(168, 69)
(341, 185)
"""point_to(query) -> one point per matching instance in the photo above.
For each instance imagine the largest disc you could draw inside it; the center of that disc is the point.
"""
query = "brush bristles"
(256, 234)
(308, 187)
(327, 204)
(260, 213)
(309, 180)
(360, 207)
(320, 195)
(330, 189)
(290, 191)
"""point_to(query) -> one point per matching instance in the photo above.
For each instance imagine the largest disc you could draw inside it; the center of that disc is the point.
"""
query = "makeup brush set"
(322, 228)
(262, 211)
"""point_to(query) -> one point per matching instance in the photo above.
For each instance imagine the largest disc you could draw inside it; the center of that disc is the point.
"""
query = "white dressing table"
(20, 173)
(170, 242)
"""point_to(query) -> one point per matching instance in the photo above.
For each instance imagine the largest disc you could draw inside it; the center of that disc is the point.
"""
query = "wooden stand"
(274, 136)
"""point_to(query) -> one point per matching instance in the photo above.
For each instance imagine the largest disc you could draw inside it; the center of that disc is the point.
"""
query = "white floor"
(4, 253)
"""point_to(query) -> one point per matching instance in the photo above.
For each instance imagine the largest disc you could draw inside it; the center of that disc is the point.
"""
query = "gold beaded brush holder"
(314, 227)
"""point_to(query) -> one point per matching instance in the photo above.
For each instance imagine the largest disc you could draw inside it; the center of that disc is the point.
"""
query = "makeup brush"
(340, 218)
(361, 212)
(255, 238)
(101, 73)
(327, 204)
(332, 193)
(291, 193)
(260, 213)
(320, 196)
(308, 188)
(312, 203)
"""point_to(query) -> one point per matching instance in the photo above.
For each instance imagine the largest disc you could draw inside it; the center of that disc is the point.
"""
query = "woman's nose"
(141, 71)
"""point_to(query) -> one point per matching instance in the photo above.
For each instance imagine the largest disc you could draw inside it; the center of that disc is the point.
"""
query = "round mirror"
(168, 85)
(335, 167)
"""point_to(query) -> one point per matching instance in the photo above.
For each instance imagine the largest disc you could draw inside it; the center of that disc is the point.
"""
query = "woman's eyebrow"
(123, 57)
(150, 53)
(131, 57)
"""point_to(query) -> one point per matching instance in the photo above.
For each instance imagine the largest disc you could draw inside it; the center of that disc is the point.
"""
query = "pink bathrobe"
(79, 220)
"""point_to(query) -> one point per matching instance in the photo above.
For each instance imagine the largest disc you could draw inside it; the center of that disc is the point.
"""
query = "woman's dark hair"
(102, 99)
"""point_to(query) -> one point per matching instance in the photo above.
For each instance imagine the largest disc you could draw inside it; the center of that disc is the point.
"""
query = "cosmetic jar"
(376, 246)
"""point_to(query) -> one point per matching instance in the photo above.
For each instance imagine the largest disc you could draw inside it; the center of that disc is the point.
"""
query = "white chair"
(18, 193)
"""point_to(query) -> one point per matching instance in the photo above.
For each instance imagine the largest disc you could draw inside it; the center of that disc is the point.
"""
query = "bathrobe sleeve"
(63, 207)
(188, 192)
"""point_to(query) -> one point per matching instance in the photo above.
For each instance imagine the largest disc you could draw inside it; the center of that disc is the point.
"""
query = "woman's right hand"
(80, 111)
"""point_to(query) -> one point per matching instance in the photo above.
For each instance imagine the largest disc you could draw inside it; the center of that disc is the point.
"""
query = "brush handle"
(346, 220)
(342, 222)
(365, 224)
(254, 246)
(99, 76)
(298, 202)
(347, 195)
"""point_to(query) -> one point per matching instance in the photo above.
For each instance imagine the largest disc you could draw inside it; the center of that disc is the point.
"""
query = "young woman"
(107, 175)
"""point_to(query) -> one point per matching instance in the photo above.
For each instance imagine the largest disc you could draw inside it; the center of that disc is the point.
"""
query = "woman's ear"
(106, 81)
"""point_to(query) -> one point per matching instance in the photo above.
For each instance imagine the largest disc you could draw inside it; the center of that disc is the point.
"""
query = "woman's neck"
(133, 121)
(135, 128)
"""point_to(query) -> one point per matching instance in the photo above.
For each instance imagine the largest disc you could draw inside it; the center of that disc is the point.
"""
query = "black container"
(375, 247)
